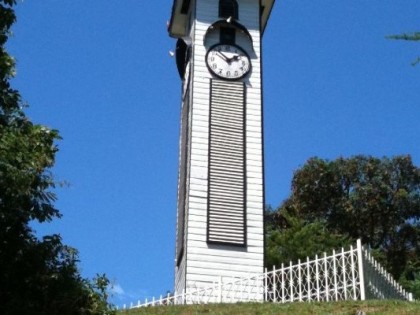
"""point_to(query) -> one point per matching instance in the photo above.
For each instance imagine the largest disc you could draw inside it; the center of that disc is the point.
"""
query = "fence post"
(360, 264)
(292, 296)
(249, 288)
(317, 276)
(353, 275)
(184, 292)
(343, 272)
(308, 279)
(300, 280)
(283, 284)
(327, 288)
(220, 290)
(241, 292)
(335, 275)
(265, 283)
(274, 285)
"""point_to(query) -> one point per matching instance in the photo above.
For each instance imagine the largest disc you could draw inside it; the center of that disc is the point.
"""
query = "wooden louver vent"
(226, 202)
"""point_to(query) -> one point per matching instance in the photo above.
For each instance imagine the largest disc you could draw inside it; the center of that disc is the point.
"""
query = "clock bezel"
(223, 77)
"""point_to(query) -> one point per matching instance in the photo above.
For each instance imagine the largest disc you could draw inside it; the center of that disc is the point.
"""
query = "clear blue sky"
(100, 72)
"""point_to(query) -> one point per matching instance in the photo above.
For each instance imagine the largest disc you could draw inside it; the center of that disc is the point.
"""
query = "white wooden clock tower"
(220, 230)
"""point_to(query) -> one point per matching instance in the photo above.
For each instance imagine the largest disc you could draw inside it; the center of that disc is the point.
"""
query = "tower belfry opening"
(228, 8)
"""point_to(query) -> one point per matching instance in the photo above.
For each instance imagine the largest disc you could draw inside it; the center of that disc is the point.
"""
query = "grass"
(337, 308)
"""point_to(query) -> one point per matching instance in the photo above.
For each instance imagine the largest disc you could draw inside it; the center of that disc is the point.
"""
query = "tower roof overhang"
(267, 6)
(179, 17)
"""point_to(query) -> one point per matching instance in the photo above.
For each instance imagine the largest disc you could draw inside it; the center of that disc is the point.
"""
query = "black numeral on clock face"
(214, 66)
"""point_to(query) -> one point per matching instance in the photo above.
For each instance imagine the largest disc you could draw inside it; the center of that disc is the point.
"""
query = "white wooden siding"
(205, 262)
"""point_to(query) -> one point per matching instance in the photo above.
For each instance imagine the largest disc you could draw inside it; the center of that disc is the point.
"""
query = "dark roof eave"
(176, 27)
(177, 23)
(267, 15)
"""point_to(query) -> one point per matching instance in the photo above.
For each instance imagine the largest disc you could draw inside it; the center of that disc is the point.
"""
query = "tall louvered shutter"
(226, 202)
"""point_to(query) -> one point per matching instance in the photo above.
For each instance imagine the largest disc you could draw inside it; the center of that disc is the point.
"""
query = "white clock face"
(227, 61)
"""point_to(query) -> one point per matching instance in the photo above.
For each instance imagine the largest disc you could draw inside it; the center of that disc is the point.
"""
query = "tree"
(290, 238)
(377, 200)
(411, 37)
(38, 276)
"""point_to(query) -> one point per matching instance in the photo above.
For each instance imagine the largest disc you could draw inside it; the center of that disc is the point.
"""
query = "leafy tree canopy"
(38, 276)
(290, 238)
(377, 200)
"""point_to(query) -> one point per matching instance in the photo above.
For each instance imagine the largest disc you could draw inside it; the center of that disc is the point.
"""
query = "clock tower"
(220, 213)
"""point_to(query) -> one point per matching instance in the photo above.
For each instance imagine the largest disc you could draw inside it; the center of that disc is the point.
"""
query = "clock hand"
(234, 58)
(224, 56)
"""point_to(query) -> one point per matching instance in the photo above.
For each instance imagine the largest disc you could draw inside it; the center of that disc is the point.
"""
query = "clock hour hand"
(234, 58)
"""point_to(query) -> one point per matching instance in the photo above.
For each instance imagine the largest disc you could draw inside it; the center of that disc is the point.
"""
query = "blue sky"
(101, 73)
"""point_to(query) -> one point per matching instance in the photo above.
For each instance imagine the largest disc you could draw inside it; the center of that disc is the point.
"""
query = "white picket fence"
(345, 275)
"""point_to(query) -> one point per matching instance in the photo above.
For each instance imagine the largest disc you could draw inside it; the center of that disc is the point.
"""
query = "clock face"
(228, 61)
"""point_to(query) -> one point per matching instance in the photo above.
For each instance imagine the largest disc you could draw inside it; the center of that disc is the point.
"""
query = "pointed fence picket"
(351, 274)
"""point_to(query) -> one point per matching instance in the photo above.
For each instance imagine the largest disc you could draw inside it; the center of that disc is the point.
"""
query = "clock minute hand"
(224, 57)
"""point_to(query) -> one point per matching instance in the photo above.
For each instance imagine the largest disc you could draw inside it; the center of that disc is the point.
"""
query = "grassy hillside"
(341, 308)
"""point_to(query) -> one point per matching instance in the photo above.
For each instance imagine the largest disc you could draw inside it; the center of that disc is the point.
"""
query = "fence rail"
(351, 274)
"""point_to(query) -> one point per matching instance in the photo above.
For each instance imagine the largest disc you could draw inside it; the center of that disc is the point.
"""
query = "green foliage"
(410, 279)
(377, 200)
(97, 290)
(38, 276)
(295, 239)
(411, 37)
